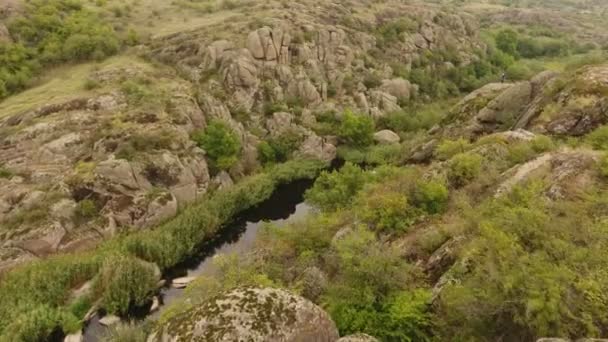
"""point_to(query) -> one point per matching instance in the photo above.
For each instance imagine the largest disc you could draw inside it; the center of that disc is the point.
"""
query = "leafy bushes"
(279, 149)
(386, 211)
(124, 282)
(335, 190)
(463, 168)
(392, 31)
(598, 139)
(412, 119)
(506, 41)
(603, 166)
(126, 332)
(431, 196)
(49, 32)
(369, 292)
(519, 285)
(449, 148)
(357, 130)
(221, 144)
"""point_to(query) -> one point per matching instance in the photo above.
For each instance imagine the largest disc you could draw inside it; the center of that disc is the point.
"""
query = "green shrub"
(598, 139)
(126, 332)
(279, 149)
(366, 293)
(334, 190)
(463, 168)
(124, 282)
(519, 72)
(138, 91)
(371, 80)
(49, 32)
(392, 31)
(5, 173)
(38, 323)
(411, 121)
(603, 165)
(431, 196)
(520, 153)
(357, 129)
(449, 148)
(274, 107)
(549, 293)
(506, 41)
(542, 143)
(221, 144)
(91, 84)
(86, 210)
(386, 211)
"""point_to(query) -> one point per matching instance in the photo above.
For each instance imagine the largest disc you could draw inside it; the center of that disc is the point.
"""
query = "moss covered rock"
(251, 314)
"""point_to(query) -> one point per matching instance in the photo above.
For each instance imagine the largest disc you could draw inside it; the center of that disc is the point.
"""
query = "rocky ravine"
(122, 149)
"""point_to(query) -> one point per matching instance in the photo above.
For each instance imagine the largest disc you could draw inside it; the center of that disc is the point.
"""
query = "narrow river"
(285, 204)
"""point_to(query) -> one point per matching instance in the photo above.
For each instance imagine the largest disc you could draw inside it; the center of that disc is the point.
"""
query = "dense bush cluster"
(279, 149)
(50, 32)
(221, 144)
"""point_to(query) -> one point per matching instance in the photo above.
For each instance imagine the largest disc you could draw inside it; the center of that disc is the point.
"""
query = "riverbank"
(236, 238)
(36, 299)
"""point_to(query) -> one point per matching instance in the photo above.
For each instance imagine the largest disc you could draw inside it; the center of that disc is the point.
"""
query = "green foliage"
(392, 31)
(386, 210)
(371, 80)
(524, 151)
(124, 282)
(431, 196)
(412, 120)
(17, 67)
(221, 144)
(38, 324)
(336, 189)
(598, 139)
(86, 210)
(126, 332)
(357, 129)
(603, 165)
(5, 173)
(280, 148)
(368, 292)
(518, 72)
(31, 296)
(506, 41)
(49, 32)
(139, 92)
(537, 269)
(449, 148)
(532, 47)
(463, 168)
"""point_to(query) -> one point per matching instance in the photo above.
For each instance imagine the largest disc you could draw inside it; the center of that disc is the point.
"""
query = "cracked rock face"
(251, 314)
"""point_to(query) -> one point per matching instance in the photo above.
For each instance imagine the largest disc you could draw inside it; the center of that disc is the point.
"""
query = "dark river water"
(285, 204)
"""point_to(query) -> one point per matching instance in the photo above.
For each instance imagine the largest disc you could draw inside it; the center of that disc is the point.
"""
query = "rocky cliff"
(116, 153)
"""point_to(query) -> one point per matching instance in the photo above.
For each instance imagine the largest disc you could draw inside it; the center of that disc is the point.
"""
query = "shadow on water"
(285, 204)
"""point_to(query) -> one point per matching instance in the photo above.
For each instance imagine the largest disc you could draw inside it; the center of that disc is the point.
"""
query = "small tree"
(221, 144)
(336, 190)
(506, 41)
(357, 130)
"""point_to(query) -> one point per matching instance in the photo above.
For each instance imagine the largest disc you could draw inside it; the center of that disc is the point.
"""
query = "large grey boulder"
(398, 87)
(251, 314)
(386, 137)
